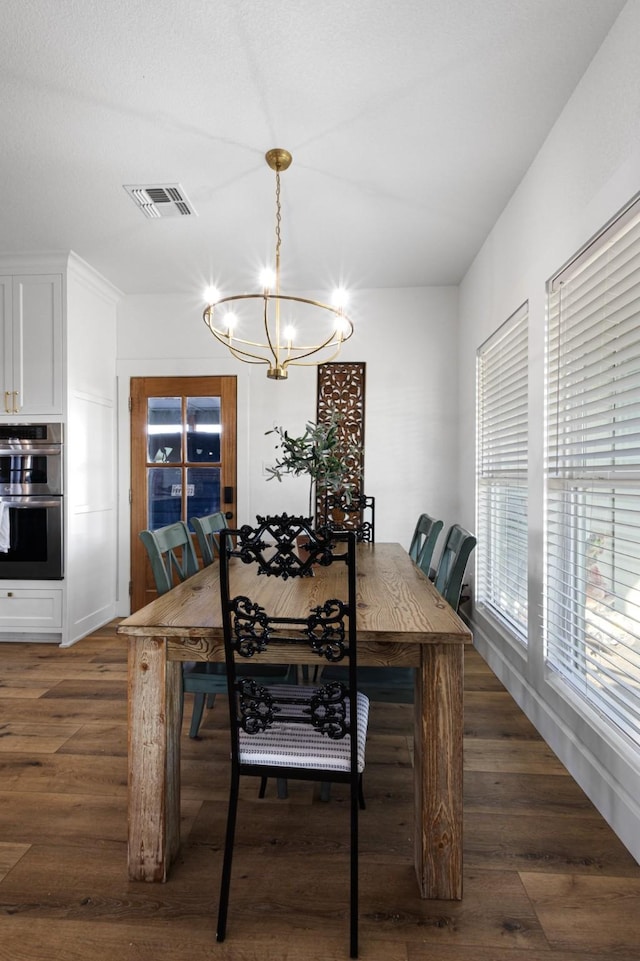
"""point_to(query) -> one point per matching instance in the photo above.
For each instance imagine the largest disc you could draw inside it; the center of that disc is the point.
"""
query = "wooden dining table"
(402, 621)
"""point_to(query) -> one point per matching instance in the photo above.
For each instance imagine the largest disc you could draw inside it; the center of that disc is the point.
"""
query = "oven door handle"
(25, 503)
(9, 451)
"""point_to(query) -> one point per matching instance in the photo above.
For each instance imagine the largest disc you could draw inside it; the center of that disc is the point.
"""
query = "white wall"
(586, 171)
(408, 340)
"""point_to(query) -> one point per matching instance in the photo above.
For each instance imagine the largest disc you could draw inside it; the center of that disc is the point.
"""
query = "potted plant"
(321, 452)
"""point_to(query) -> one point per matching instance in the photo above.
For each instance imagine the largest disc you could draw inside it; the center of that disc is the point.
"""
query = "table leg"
(438, 771)
(154, 759)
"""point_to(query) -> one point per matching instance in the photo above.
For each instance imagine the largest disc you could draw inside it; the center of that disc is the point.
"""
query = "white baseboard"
(609, 776)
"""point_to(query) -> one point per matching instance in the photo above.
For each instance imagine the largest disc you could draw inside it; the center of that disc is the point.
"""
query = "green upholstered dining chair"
(207, 530)
(396, 684)
(173, 558)
(423, 541)
(171, 555)
(452, 564)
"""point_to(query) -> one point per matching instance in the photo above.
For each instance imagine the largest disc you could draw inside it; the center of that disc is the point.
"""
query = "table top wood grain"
(397, 603)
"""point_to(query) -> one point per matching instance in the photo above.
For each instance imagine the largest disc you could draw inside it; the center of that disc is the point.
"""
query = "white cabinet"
(31, 338)
(58, 363)
(30, 609)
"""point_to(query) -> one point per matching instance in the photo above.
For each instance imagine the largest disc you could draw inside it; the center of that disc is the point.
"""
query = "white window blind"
(592, 590)
(502, 462)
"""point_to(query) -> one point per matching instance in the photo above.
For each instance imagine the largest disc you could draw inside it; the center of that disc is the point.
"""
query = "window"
(502, 432)
(592, 584)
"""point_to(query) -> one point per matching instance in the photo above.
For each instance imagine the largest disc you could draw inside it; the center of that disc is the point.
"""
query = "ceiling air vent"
(160, 200)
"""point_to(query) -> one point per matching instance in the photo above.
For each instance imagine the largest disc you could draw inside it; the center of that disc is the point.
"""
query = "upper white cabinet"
(31, 333)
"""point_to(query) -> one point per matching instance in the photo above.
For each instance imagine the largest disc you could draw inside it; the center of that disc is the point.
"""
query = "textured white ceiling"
(410, 124)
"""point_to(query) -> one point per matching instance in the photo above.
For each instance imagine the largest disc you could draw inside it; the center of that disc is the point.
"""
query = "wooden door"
(183, 459)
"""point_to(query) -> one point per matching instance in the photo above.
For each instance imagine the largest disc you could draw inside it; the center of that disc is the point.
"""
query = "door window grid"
(182, 432)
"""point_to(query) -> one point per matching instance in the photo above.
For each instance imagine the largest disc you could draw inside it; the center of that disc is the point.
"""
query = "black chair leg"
(225, 882)
(354, 870)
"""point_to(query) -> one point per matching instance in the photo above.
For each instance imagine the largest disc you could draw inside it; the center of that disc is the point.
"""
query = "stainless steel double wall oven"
(31, 501)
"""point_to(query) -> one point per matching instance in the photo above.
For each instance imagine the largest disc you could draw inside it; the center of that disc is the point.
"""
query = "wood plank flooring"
(545, 878)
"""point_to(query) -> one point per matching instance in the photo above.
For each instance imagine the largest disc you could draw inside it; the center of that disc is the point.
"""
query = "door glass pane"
(164, 485)
(164, 429)
(203, 429)
(203, 491)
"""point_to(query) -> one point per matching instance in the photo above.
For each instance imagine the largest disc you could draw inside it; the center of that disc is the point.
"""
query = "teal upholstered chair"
(171, 555)
(207, 531)
(173, 558)
(423, 541)
(453, 563)
(396, 684)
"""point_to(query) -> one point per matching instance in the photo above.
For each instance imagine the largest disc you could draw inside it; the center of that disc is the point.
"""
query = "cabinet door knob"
(7, 406)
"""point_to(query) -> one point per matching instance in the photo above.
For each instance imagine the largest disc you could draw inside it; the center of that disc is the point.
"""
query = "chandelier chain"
(278, 218)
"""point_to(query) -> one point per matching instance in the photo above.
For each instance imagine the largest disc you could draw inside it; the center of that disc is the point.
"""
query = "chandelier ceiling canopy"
(273, 328)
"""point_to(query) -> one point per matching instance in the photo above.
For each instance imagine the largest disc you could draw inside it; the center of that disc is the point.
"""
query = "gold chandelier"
(287, 330)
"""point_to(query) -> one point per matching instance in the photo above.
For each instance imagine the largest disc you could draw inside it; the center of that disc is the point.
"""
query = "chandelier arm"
(265, 316)
(235, 350)
(293, 361)
(298, 362)
(223, 336)
(240, 354)
(244, 355)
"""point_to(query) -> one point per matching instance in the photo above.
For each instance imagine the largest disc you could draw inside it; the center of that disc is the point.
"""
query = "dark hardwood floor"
(545, 877)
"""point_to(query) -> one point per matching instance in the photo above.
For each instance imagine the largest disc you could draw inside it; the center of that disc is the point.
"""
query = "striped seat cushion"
(300, 745)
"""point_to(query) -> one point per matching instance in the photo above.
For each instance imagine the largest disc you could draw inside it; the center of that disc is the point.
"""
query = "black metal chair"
(294, 731)
(353, 512)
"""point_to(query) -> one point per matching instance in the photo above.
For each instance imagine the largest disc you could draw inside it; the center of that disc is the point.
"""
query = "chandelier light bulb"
(267, 278)
(342, 327)
(340, 297)
(211, 294)
(264, 338)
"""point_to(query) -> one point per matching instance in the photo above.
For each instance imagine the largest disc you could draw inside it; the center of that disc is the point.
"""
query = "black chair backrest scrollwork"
(353, 511)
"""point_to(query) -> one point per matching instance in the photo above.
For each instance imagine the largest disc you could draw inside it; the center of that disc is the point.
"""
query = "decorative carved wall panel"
(341, 387)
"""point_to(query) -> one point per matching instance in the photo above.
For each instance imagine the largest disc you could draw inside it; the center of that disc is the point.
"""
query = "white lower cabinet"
(30, 609)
